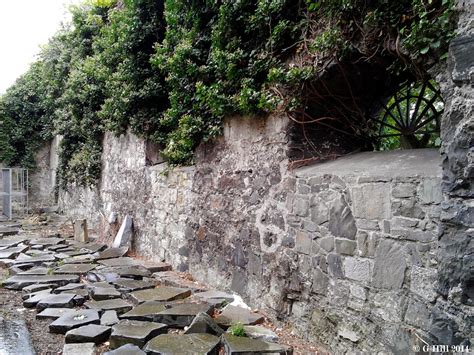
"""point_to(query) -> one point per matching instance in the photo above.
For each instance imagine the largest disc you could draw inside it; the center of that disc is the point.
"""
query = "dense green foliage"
(172, 70)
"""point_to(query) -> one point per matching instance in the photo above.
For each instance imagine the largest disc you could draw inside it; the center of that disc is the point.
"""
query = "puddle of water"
(14, 338)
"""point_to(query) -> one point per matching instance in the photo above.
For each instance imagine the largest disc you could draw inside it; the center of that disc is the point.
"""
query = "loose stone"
(203, 323)
(162, 293)
(73, 320)
(109, 318)
(53, 313)
(181, 315)
(127, 349)
(79, 349)
(104, 293)
(232, 315)
(242, 345)
(145, 311)
(91, 333)
(183, 344)
(56, 301)
(134, 332)
(119, 305)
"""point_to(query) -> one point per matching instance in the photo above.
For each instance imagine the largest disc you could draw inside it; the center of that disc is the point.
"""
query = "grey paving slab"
(161, 293)
(123, 261)
(104, 293)
(181, 315)
(79, 269)
(91, 333)
(134, 332)
(17, 282)
(133, 285)
(56, 301)
(186, 344)
(119, 305)
(73, 320)
(109, 318)
(53, 313)
(145, 311)
(232, 315)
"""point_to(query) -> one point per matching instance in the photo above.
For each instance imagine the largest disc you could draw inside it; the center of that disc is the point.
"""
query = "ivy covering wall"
(172, 70)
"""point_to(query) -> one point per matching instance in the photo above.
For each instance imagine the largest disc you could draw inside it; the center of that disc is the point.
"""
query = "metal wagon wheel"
(411, 117)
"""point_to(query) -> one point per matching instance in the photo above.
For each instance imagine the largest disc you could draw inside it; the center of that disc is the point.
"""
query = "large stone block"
(390, 265)
(431, 191)
(357, 269)
(341, 220)
(320, 282)
(303, 242)
(423, 282)
(372, 201)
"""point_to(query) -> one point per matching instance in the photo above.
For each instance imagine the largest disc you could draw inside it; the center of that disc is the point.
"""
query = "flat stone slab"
(117, 304)
(11, 242)
(48, 241)
(171, 278)
(243, 345)
(181, 315)
(17, 282)
(158, 267)
(104, 293)
(134, 332)
(69, 287)
(63, 300)
(79, 349)
(186, 344)
(91, 333)
(203, 323)
(11, 253)
(79, 269)
(8, 231)
(214, 297)
(78, 259)
(127, 349)
(145, 311)
(112, 253)
(162, 293)
(233, 315)
(37, 287)
(15, 337)
(39, 270)
(261, 333)
(94, 247)
(30, 302)
(133, 285)
(123, 261)
(109, 318)
(39, 259)
(74, 319)
(53, 313)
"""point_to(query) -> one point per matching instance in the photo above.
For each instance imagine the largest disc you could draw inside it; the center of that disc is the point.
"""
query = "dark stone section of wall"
(451, 323)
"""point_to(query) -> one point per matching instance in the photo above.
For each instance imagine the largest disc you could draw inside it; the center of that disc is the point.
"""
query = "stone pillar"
(450, 321)
(80, 231)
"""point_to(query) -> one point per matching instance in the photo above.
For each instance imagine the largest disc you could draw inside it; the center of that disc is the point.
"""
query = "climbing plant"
(172, 71)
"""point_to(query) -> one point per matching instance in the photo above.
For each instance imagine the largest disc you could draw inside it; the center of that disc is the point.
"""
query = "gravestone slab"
(79, 349)
(134, 332)
(214, 297)
(145, 311)
(109, 318)
(203, 323)
(181, 315)
(17, 282)
(125, 233)
(32, 301)
(238, 345)
(37, 287)
(122, 261)
(135, 272)
(69, 287)
(74, 319)
(11, 253)
(91, 333)
(80, 231)
(127, 349)
(187, 344)
(117, 304)
(162, 293)
(79, 269)
(56, 301)
(104, 293)
(133, 285)
(53, 313)
(232, 315)
(112, 253)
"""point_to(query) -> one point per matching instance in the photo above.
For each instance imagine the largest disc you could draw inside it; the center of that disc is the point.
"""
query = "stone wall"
(345, 252)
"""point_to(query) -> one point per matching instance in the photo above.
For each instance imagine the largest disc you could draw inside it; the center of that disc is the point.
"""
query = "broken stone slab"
(111, 253)
(11, 242)
(81, 292)
(74, 319)
(122, 261)
(97, 277)
(5, 231)
(48, 241)
(32, 301)
(109, 318)
(133, 285)
(37, 287)
(171, 278)
(261, 333)
(46, 291)
(62, 300)
(214, 297)
(158, 267)
(117, 304)
(162, 293)
(243, 345)
(127, 349)
(80, 230)
(104, 293)
(79, 349)
(79, 269)
(23, 258)
(18, 282)
(181, 315)
(125, 233)
(37, 271)
(91, 333)
(13, 252)
(145, 311)
(53, 313)
(14, 337)
(69, 287)
(203, 323)
(94, 247)
(186, 344)
(237, 315)
(78, 259)
(134, 332)
(134, 272)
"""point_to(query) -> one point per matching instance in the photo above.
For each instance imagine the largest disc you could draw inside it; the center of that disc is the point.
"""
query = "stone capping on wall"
(402, 163)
